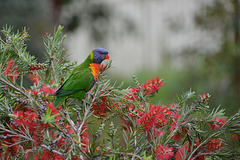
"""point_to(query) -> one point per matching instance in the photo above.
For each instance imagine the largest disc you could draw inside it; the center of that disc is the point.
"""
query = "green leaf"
(145, 156)
(47, 118)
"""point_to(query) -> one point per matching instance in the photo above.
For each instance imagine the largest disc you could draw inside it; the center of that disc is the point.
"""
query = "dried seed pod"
(22, 101)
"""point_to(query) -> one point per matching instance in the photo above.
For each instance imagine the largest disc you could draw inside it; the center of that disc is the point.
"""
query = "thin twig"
(14, 133)
(120, 153)
(54, 151)
(70, 121)
(129, 154)
(17, 143)
(87, 109)
(3, 41)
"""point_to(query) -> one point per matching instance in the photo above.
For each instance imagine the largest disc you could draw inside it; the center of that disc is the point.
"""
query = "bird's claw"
(89, 93)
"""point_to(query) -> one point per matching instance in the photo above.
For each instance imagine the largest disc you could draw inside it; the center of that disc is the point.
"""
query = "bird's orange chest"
(95, 70)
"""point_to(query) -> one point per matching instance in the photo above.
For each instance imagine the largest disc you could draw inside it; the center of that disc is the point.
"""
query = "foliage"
(220, 68)
(32, 127)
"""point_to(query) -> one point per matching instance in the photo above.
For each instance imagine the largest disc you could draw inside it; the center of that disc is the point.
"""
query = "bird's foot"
(85, 102)
(89, 93)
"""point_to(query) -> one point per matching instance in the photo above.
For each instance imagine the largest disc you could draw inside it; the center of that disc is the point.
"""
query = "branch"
(23, 93)
(68, 136)
(120, 153)
(87, 111)
(12, 86)
(218, 132)
(70, 121)
(54, 151)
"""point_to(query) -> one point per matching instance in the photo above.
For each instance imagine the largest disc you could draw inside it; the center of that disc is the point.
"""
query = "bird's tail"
(58, 101)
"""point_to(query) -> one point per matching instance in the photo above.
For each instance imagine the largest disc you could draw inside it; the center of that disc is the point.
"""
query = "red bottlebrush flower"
(26, 118)
(29, 120)
(11, 69)
(186, 148)
(178, 136)
(134, 112)
(148, 88)
(152, 86)
(205, 97)
(163, 153)
(33, 92)
(158, 133)
(217, 123)
(34, 78)
(13, 150)
(148, 119)
(214, 144)
(236, 137)
(47, 90)
(102, 106)
(8, 68)
(46, 35)
(100, 109)
(155, 116)
(103, 68)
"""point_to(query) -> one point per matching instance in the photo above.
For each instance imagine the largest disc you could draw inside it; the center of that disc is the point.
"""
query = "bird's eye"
(100, 52)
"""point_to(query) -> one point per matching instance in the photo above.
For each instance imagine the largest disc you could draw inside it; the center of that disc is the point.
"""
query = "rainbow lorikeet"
(82, 78)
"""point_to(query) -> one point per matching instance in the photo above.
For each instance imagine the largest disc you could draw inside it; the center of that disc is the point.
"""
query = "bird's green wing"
(81, 80)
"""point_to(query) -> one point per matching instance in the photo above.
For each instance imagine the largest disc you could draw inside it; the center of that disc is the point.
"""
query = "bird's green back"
(78, 83)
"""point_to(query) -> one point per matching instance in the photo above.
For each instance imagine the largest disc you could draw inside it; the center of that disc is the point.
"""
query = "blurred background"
(190, 44)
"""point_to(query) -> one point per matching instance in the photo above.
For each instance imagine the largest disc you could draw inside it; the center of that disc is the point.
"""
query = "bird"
(82, 78)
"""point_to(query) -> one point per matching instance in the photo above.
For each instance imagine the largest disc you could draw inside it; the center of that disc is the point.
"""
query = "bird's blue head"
(100, 54)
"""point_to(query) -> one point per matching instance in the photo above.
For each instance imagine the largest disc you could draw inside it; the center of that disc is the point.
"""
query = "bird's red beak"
(106, 56)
